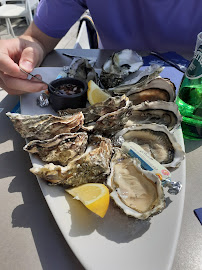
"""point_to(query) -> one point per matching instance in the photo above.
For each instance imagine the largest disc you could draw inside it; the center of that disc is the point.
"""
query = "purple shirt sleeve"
(166, 25)
(55, 17)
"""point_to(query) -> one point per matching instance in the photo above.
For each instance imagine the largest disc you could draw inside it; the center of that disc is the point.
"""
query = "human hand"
(24, 53)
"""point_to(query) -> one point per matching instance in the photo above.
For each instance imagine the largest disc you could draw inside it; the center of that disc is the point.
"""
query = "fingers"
(10, 91)
(28, 59)
(15, 53)
(27, 55)
(9, 67)
(18, 86)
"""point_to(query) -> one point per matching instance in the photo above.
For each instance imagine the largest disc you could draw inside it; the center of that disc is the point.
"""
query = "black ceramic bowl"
(63, 99)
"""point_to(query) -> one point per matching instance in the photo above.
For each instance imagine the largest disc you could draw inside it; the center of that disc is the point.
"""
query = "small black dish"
(60, 100)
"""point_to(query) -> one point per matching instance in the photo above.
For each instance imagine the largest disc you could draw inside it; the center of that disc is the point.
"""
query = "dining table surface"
(30, 237)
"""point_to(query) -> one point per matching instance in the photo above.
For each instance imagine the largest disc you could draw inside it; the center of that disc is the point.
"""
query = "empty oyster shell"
(81, 69)
(159, 112)
(45, 126)
(59, 149)
(119, 66)
(92, 166)
(156, 89)
(94, 112)
(157, 140)
(137, 192)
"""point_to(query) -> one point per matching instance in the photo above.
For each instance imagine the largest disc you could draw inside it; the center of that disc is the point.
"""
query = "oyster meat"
(156, 89)
(92, 166)
(60, 149)
(94, 112)
(159, 112)
(139, 79)
(157, 140)
(45, 126)
(137, 192)
(119, 66)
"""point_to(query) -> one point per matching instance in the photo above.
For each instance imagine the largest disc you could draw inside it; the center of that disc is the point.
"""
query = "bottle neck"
(194, 70)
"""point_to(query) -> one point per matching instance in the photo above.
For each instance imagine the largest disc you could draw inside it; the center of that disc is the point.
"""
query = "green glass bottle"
(189, 98)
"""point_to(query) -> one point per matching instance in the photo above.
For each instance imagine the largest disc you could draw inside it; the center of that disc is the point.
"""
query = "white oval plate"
(116, 241)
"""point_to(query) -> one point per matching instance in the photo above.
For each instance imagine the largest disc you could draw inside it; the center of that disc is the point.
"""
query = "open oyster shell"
(92, 166)
(159, 112)
(157, 140)
(119, 66)
(156, 89)
(94, 112)
(45, 126)
(59, 149)
(139, 79)
(81, 69)
(137, 192)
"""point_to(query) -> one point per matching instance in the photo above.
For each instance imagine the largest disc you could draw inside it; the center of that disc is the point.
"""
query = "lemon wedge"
(95, 94)
(94, 196)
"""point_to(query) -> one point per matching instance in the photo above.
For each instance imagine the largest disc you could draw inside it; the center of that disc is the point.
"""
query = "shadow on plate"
(191, 145)
(84, 222)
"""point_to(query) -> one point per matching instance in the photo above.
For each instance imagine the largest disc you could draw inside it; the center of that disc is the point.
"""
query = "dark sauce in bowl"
(69, 93)
(70, 89)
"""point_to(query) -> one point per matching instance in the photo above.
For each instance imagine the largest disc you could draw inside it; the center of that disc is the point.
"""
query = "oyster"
(45, 126)
(110, 123)
(156, 89)
(137, 192)
(59, 149)
(92, 166)
(139, 79)
(81, 69)
(94, 112)
(118, 67)
(157, 140)
(159, 112)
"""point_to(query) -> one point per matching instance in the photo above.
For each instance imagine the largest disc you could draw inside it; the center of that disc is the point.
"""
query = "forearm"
(34, 34)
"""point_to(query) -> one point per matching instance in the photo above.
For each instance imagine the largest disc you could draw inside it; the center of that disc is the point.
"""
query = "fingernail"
(38, 76)
(45, 87)
(26, 65)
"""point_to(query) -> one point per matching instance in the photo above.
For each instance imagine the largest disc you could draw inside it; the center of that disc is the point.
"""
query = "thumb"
(28, 59)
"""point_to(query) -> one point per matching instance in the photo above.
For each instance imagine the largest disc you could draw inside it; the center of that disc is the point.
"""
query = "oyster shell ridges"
(59, 149)
(94, 112)
(92, 166)
(45, 126)
(159, 112)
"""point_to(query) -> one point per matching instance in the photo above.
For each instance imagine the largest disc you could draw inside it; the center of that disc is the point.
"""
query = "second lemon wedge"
(94, 196)
(95, 93)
